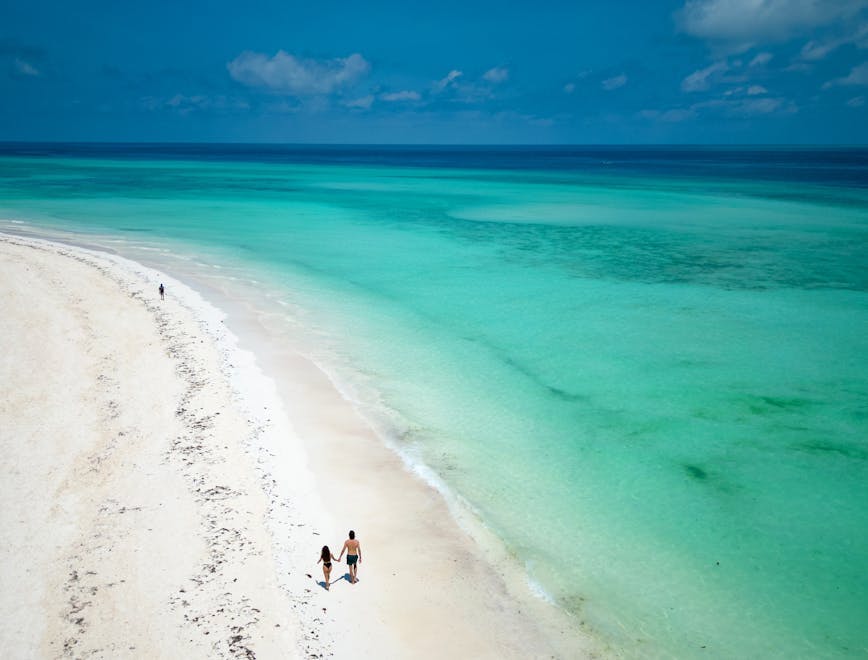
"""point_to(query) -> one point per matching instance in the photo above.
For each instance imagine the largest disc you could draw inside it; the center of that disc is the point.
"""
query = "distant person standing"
(162, 292)
(354, 555)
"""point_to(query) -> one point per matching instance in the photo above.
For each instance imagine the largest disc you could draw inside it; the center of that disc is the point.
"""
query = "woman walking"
(326, 558)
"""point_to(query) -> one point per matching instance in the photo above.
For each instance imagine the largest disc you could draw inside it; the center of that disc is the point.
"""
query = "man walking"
(354, 555)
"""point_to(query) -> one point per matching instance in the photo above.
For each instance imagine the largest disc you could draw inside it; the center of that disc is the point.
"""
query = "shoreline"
(424, 530)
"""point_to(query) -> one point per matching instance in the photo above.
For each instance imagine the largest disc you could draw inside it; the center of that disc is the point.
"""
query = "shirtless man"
(354, 554)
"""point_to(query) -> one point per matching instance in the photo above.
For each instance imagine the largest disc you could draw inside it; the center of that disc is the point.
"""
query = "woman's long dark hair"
(326, 553)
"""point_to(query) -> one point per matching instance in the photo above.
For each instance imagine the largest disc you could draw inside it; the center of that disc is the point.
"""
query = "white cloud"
(699, 80)
(761, 106)
(856, 102)
(184, 104)
(798, 67)
(496, 75)
(672, 116)
(756, 90)
(405, 95)
(458, 89)
(282, 107)
(533, 120)
(363, 102)
(748, 107)
(178, 99)
(614, 83)
(448, 81)
(761, 59)
(23, 68)
(753, 21)
(813, 50)
(858, 76)
(569, 88)
(817, 50)
(732, 107)
(300, 77)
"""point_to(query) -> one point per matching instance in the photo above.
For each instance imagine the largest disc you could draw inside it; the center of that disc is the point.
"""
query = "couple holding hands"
(354, 558)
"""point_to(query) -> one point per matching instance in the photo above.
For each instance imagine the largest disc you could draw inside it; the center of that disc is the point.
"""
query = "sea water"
(646, 370)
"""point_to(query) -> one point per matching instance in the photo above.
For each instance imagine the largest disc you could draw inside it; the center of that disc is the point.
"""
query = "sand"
(165, 492)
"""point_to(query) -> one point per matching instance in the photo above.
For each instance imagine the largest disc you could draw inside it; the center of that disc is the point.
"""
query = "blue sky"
(680, 71)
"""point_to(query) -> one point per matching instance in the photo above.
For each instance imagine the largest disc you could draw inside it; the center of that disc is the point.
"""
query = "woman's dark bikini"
(326, 558)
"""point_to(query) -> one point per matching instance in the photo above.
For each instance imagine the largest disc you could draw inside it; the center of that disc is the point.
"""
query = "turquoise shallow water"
(651, 380)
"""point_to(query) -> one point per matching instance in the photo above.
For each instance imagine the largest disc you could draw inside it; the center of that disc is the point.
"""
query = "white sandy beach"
(162, 497)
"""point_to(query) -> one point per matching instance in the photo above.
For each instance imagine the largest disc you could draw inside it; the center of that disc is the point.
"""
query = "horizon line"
(437, 144)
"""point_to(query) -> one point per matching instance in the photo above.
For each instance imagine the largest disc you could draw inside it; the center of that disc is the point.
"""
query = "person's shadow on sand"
(345, 576)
